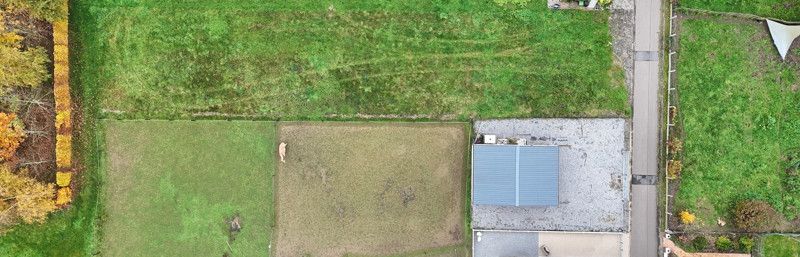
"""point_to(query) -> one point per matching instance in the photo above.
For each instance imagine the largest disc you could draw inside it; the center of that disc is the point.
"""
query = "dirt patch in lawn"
(370, 188)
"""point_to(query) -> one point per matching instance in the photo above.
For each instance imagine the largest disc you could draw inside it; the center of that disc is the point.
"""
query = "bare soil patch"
(370, 188)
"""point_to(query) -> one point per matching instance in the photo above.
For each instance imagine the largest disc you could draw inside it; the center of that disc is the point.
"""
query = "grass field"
(739, 106)
(372, 189)
(780, 246)
(311, 59)
(172, 186)
(782, 9)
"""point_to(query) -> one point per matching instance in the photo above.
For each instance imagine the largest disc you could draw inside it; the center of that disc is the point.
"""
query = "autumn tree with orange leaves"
(12, 133)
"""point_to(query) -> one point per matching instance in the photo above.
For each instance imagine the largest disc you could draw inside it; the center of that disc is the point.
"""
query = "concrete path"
(647, 42)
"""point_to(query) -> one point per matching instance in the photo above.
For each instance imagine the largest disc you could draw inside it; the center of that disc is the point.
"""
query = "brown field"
(370, 188)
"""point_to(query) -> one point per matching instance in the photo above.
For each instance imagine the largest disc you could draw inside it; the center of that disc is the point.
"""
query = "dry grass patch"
(370, 188)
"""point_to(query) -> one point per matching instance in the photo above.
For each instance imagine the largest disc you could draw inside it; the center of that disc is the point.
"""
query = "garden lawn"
(780, 246)
(373, 189)
(172, 186)
(781, 9)
(316, 59)
(740, 107)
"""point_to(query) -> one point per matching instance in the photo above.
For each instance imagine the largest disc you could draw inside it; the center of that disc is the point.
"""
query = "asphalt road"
(647, 41)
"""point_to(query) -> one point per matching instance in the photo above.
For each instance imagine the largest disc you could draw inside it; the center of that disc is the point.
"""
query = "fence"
(671, 69)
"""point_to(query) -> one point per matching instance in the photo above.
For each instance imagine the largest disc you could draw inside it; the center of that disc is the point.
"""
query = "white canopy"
(783, 35)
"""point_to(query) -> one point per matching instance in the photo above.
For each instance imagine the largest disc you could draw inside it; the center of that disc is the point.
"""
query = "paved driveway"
(647, 39)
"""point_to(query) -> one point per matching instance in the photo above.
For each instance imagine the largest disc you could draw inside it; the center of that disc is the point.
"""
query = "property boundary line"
(669, 123)
(548, 231)
(735, 15)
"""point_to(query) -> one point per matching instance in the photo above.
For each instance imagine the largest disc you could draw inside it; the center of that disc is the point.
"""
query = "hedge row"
(63, 112)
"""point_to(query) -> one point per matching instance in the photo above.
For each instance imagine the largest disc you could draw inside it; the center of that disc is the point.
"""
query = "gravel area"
(622, 27)
(594, 180)
(622, 5)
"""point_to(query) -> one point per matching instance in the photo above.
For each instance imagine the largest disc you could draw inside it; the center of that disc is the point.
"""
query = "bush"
(687, 217)
(675, 146)
(63, 196)
(63, 179)
(792, 180)
(792, 183)
(674, 169)
(700, 243)
(746, 244)
(754, 216)
(63, 151)
(724, 244)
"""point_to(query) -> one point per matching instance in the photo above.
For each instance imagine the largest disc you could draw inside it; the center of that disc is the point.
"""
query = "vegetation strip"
(63, 102)
(774, 9)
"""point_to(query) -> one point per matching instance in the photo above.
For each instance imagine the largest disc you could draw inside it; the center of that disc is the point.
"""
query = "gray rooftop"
(515, 175)
(593, 178)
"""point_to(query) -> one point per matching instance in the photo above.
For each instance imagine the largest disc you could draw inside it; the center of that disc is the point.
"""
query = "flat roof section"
(593, 178)
(513, 175)
(492, 243)
(504, 243)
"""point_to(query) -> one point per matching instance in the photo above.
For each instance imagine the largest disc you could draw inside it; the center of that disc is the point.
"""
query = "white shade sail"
(783, 35)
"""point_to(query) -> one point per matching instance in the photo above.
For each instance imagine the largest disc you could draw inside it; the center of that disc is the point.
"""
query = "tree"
(9, 38)
(50, 10)
(12, 132)
(24, 198)
(754, 216)
(22, 68)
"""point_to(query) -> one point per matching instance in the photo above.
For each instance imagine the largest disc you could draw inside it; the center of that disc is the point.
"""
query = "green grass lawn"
(305, 60)
(741, 114)
(171, 186)
(781, 9)
(780, 246)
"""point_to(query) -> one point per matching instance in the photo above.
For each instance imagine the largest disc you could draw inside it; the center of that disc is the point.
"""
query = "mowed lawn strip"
(311, 60)
(780, 246)
(781, 9)
(371, 189)
(739, 106)
(171, 186)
